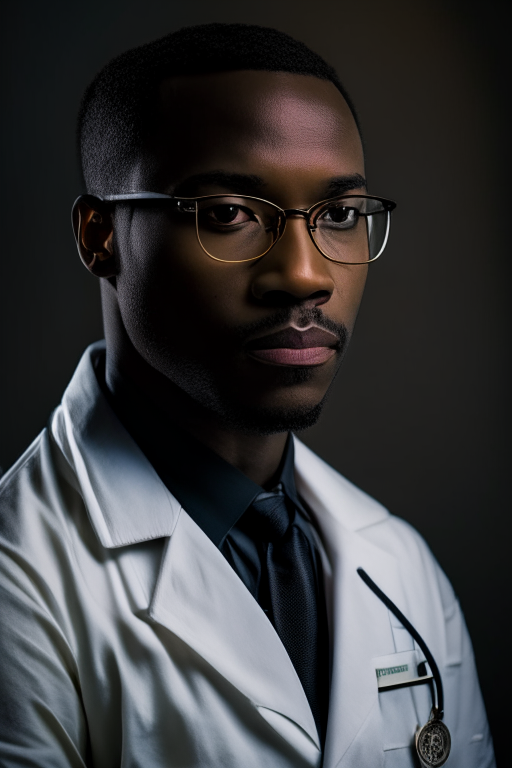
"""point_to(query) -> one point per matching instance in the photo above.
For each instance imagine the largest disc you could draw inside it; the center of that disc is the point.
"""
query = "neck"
(257, 456)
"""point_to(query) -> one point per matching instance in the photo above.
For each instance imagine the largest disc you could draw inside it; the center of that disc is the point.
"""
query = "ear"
(94, 232)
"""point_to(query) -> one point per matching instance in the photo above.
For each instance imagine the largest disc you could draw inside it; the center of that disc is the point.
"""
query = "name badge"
(401, 669)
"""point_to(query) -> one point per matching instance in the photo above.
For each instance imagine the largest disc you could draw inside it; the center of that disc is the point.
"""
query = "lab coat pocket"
(403, 681)
(399, 721)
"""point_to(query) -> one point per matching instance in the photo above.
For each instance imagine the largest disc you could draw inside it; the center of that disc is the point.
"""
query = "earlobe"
(94, 232)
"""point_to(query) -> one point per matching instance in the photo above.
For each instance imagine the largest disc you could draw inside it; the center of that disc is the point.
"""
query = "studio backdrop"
(418, 415)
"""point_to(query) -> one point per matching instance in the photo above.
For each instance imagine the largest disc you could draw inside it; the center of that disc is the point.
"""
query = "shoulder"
(30, 491)
(40, 504)
(39, 484)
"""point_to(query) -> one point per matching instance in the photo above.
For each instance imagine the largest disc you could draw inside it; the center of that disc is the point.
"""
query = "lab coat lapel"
(361, 627)
(200, 598)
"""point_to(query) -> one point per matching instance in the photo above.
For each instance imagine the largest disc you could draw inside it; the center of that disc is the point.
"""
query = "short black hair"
(122, 97)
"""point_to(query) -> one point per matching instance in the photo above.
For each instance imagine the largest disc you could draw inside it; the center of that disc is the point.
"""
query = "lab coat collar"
(125, 499)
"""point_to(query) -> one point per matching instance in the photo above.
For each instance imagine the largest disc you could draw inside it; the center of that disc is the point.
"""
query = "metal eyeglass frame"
(306, 213)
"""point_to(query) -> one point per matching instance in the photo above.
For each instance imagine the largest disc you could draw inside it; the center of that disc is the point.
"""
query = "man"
(185, 583)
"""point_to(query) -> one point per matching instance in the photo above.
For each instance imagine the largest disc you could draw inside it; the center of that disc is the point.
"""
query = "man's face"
(289, 139)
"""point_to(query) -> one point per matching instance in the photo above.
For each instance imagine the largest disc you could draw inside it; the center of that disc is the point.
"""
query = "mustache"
(301, 319)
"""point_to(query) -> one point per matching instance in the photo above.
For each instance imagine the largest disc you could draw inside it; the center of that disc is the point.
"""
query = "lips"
(290, 346)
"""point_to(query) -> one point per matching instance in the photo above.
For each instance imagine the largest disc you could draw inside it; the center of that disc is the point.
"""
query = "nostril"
(318, 298)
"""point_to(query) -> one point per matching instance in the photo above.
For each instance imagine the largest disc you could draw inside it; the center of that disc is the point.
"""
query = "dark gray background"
(418, 417)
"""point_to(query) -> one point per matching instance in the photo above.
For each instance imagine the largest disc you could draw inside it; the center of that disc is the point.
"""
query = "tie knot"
(272, 514)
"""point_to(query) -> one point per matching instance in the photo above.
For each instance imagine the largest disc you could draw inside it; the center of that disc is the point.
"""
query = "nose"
(293, 271)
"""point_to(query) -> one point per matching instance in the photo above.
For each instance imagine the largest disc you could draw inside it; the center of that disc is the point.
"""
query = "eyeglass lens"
(236, 229)
(350, 230)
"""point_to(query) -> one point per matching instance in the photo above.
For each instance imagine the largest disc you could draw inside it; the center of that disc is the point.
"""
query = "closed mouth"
(291, 346)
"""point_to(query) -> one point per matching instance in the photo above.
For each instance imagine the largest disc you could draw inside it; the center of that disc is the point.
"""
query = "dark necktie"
(296, 603)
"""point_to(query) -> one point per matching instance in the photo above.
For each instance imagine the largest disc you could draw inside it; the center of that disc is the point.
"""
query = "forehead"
(274, 125)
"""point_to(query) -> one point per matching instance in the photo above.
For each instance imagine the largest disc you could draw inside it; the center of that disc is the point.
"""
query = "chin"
(261, 420)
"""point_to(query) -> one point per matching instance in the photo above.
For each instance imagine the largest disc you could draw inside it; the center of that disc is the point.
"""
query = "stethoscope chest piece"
(433, 742)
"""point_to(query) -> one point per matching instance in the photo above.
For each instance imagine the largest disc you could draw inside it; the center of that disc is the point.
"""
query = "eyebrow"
(341, 184)
(237, 183)
(249, 184)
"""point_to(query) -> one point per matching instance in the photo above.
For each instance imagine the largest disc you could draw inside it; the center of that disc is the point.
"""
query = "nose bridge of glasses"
(294, 213)
(294, 232)
(288, 212)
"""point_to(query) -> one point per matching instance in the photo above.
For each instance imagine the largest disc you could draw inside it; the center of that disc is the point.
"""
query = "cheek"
(350, 282)
(169, 288)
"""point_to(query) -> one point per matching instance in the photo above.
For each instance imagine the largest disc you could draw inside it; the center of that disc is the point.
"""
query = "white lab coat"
(129, 641)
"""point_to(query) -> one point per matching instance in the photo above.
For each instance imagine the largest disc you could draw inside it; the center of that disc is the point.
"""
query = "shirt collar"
(213, 492)
(287, 474)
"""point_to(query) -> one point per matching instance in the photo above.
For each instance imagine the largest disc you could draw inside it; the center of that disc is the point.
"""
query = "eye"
(227, 214)
(341, 216)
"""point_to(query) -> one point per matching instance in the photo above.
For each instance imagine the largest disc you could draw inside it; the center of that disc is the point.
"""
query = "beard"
(213, 391)
(270, 421)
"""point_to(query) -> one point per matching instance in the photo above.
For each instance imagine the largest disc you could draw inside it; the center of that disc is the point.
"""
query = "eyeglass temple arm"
(135, 196)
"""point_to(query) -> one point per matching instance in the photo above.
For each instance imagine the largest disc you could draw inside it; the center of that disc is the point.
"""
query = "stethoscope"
(433, 741)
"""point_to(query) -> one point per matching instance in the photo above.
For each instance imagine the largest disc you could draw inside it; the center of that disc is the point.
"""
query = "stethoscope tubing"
(439, 708)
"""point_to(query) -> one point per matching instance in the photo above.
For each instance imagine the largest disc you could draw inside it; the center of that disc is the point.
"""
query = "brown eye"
(227, 214)
(224, 214)
(340, 215)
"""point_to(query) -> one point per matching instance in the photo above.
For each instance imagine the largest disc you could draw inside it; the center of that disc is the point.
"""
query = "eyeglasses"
(349, 229)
